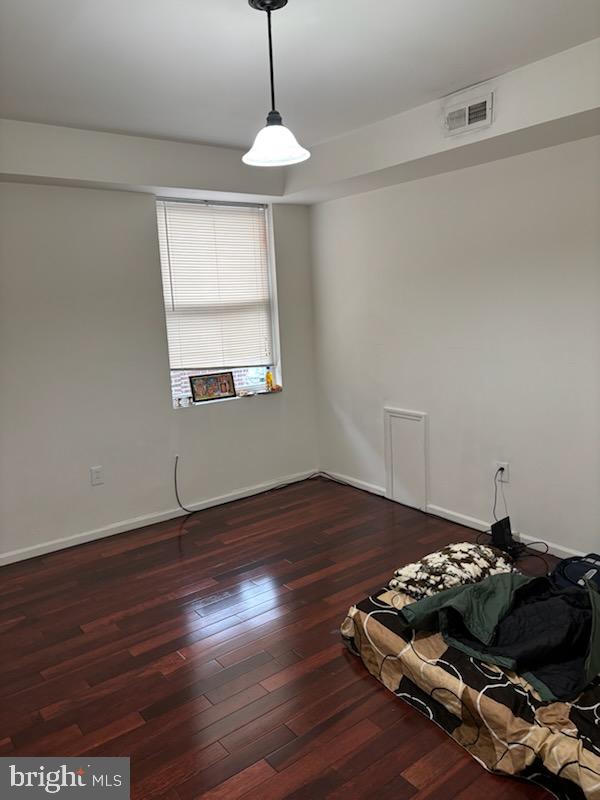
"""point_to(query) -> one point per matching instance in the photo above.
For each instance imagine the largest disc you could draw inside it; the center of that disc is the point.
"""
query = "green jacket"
(481, 607)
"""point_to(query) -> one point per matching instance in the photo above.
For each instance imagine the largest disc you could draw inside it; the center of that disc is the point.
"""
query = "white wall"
(84, 374)
(473, 296)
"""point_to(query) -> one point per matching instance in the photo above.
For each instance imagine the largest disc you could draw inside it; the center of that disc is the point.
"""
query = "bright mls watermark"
(69, 778)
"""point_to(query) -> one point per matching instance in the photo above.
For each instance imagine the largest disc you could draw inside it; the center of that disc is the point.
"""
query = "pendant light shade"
(275, 145)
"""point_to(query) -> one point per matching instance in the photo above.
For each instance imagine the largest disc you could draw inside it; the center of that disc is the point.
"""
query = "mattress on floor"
(495, 715)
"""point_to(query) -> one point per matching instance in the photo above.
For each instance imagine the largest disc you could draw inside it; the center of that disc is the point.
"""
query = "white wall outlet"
(96, 476)
(504, 476)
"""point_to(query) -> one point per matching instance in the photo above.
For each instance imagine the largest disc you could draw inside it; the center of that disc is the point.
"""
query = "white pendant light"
(275, 145)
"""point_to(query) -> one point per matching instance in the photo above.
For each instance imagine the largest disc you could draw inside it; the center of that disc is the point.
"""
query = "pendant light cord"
(271, 60)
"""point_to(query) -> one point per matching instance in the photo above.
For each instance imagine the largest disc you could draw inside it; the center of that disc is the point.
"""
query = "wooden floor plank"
(207, 650)
(238, 761)
(240, 783)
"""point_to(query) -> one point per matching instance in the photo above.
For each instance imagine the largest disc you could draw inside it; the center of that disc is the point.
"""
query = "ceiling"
(197, 69)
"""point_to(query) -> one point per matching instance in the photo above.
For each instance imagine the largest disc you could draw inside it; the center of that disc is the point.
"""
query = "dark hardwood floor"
(208, 651)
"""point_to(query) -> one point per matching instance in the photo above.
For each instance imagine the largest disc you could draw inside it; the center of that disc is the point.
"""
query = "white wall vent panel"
(468, 110)
(406, 457)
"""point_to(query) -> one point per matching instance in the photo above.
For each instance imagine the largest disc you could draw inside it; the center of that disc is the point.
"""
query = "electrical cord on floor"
(521, 550)
(521, 546)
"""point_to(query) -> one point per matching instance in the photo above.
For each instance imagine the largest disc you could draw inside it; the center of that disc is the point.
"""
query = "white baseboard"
(461, 519)
(481, 525)
(149, 519)
(358, 484)
(172, 513)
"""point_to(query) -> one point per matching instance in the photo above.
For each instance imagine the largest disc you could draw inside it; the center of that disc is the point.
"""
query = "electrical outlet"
(96, 476)
(504, 476)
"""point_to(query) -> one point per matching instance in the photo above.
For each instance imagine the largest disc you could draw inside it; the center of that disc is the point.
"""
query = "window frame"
(276, 366)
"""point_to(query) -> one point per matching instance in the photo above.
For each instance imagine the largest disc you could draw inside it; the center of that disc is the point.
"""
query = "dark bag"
(577, 570)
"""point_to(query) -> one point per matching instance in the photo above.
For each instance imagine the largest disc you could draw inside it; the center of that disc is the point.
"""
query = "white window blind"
(215, 272)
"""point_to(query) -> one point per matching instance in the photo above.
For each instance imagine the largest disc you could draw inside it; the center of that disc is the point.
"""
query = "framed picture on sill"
(212, 387)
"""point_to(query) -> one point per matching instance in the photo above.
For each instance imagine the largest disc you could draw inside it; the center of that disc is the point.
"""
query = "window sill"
(262, 393)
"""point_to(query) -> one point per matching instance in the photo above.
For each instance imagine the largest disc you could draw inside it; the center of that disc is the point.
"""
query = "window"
(218, 293)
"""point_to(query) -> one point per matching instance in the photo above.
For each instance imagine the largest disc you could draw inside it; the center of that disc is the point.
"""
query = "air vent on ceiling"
(467, 111)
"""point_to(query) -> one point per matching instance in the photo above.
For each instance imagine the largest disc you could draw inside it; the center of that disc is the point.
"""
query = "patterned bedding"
(494, 714)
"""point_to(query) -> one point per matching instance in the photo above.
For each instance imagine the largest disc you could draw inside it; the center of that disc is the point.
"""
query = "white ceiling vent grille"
(467, 111)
